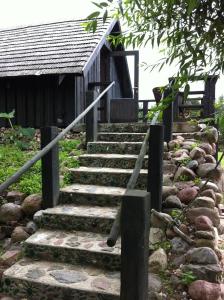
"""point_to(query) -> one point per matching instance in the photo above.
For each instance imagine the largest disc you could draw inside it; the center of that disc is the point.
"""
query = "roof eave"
(98, 48)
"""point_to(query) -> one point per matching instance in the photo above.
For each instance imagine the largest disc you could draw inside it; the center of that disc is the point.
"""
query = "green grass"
(222, 162)
(12, 158)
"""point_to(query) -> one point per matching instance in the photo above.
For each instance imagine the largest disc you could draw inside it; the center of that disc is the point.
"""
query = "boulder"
(10, 212)
(208, 170)
(158, 261)
(174, 144)
(169, 190)
(169, 168)
(212, 214)
(31, 227)
(209, 134)
(180, 159)
(158, 223)
(188, 145)
(203, 223)
(211, 273)
(204, 290)
(156, 235)
(179, 246)
(180, 152)
(209, 185)
(184, 184)
(15, 196)
(219, 198)
(172, 202)
(197, 153)
(184, 174)
(193, 164)
(187, 194)
(209, 193)
(19, 234)
(155, 283)
(31, 204)
(206, 147)
(202, 234)
(201, 256)
(203, 201)
(210, 159)
(204, 242)
(10, 257)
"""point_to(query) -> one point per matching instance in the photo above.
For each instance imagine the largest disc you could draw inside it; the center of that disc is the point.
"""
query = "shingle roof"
(55, 48)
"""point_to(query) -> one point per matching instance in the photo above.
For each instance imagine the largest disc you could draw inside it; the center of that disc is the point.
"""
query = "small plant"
(185, 161)
(193, 122)
(8, 117)
(197, 181)
(166, 245)
(183, 178)
(187, 277)
(193, 146)
(177, 147)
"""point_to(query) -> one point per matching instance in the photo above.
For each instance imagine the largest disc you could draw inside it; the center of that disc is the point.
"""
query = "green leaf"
(94, 15)
(9, 115)
(186, 91)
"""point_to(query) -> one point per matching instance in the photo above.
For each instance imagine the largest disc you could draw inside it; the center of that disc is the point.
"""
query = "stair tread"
(67, 276)
(110, 143)
(76, 240)
(83, 211)
(110, 155)
(106, 170)
(121, 133)
(94, 189)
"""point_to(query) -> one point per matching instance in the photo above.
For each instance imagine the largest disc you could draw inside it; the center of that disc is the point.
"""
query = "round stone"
(32, 204)
(203, 255)
(188, 194)
(179, 246)
(203, 223)
(68, 277)
(193, 164)
(203, 201)
(208, 193)
(206, 147)
(204, 290)
(172, 202)
(208, 235)
(19, 234)
(10, 212)
(197, 153)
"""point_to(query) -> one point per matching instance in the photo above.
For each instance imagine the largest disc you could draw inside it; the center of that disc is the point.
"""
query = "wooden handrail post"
(168, 119)
(155, 165)
(134, 245)
(50, 168)
(91, 117)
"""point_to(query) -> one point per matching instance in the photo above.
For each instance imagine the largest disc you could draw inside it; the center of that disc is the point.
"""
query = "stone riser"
(119, 148)
(124, 127)
(121, 137)
(107, 179)
(71, 222)
(105, 260)
(32, 290)
(104, 162)
(87, 199)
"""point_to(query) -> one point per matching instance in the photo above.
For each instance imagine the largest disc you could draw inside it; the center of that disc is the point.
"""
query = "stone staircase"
(67, 258)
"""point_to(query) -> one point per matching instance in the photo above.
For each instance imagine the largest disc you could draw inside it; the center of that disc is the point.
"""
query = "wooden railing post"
(145, 111)
(168, 119)
(50, 168)
(91, 117)
(209, 96)
(155, 165)
(134, 245)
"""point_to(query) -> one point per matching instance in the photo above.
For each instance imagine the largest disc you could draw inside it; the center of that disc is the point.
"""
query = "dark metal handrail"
(48, 147)
(115, 230)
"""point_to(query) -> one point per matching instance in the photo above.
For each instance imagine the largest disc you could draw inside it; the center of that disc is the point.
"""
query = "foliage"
(152, 111)
(219, 115)
(183, 178)
(197, 181)
(189, 33)
(8, 116)
(12, 157)
(177, 215)
(188, 277)
(185, 161)
(166, 245)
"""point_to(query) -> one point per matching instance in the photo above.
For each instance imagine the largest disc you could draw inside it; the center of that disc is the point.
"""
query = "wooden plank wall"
(38, 101)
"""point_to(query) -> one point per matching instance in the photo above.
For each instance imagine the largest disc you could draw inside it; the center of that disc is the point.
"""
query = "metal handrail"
(48, 147)
(115, 230)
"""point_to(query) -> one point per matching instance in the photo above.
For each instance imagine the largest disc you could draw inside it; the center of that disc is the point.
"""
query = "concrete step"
(80, 218)
(124, 127)
(76, 247)
(30, 279)
(80, 194)
(121, 136)
(107, 177)
(114, 147)
(110, 177)
(101, 160)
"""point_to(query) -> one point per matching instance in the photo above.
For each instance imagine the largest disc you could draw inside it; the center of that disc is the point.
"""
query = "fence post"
(145, 111)
(155, 165)
(134, 245)
(209, 96)
(91, 117)
(168, 119)
(50, 168)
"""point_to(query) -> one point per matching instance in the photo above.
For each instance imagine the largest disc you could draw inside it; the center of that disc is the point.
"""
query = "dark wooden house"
(45, 71)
